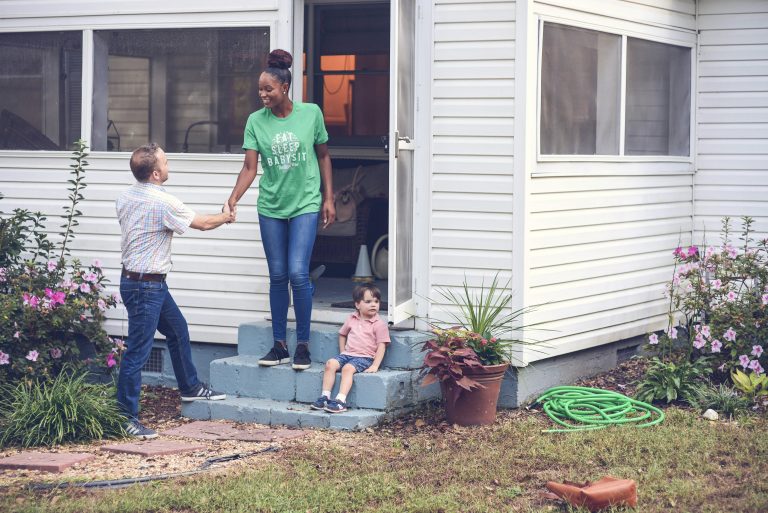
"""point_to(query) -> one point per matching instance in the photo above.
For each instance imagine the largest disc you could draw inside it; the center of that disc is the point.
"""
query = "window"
(581, 97)
(348, 66)
(190, 90)
(40, 90)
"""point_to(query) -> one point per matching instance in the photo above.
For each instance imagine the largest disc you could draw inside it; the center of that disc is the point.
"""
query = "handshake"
(229, 212)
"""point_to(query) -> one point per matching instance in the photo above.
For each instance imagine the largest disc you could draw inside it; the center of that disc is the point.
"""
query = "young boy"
(362, 342)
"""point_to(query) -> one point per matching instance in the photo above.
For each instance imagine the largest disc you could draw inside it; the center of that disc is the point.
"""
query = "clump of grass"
(721, 398)
(66, 409)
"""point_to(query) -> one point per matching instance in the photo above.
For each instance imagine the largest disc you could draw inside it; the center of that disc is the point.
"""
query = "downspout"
(694, 119)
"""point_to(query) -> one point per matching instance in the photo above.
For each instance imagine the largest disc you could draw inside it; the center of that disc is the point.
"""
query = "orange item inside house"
(608, 491)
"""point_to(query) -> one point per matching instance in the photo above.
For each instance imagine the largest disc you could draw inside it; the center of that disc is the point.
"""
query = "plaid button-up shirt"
(149, 217)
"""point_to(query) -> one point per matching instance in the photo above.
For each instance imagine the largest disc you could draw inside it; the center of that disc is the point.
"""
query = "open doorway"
(346, 59)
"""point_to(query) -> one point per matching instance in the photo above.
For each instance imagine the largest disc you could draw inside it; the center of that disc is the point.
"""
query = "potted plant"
(470, 359)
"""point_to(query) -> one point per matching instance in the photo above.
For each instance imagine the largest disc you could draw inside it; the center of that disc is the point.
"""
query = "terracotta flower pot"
(475, 407)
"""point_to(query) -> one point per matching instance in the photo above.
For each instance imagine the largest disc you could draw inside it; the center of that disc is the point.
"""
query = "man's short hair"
(144, 161)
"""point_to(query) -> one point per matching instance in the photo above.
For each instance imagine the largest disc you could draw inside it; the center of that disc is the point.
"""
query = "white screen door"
(401, 137)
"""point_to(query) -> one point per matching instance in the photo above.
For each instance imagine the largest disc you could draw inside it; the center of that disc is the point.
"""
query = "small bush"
(721, 398)
(66, 409)
(670, 381)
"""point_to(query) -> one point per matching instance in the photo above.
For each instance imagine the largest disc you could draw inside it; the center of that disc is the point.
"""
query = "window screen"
(40, 90)
(190, 90)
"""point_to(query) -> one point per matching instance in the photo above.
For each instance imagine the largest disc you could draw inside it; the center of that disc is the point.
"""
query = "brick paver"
(45, 461)
(153, 447)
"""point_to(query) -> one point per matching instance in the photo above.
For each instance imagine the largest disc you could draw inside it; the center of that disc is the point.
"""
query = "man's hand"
(226, 209)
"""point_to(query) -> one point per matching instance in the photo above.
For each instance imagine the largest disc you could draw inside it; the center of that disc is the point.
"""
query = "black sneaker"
(335, 406)
(203, 392)
(301, 359)
(277, 355)
(320, 404)
(135, 429)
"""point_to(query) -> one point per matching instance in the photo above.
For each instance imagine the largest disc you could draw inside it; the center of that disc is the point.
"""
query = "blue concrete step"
(255, 339)
(281, 413)
(386, 389)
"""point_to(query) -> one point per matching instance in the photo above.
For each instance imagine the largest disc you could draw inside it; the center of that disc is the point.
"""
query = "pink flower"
(91, 277)
(709, 252)
(730, 335)
(2, 274)
(678, 252)
(118, 299)
(699, 342)
(32, 356)
(4, 358)
(753, 364)
(757, 351)
(101, 304)
(672, 332)
(56, 353)
(716, 284)
(693, 251)
(716, 346)
(96, 263)
(111, 360)
(85, 288)
(16, 335)
(744, 361)
(52, 265)
(732, 252)
(731, 296)
(765, 299)
(758, 368)
(705, 331)
(119, 344)
(653, 339)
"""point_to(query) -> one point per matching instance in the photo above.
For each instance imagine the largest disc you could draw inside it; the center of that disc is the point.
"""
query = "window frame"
(266, 19)
(680, 38)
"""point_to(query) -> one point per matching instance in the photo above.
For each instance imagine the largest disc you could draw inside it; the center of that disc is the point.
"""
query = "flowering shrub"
(47, 304)
(719, 295)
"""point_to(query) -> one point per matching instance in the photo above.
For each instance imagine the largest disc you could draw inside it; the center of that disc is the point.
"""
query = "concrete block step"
(384, 390)
(281, 413)
(255, 339)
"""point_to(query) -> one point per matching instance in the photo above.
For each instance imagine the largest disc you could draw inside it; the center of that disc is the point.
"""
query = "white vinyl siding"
(472, 108)
(219, 277)
(601, 234)
(732, 161)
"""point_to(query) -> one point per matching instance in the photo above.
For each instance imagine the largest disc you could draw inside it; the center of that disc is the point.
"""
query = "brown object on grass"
(608, 491)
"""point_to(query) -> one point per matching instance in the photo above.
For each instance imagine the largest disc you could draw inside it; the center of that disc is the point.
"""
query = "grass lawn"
(685, 464)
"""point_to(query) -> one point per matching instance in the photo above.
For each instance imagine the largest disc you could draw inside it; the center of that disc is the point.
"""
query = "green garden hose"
(582, 408)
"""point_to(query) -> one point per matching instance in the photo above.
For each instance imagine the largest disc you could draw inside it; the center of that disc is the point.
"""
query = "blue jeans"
(288, 245)
(151, 308)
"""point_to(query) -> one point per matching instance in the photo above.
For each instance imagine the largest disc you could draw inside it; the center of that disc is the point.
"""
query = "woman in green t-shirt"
(291, 139)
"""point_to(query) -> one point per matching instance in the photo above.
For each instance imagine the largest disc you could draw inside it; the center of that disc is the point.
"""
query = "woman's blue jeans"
(288, 245)
(151, 308)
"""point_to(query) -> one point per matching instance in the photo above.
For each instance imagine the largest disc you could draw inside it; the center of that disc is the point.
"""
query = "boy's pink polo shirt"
(364, 335)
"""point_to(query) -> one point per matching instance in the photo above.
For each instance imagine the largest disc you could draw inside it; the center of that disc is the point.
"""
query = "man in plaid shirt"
(149, 217)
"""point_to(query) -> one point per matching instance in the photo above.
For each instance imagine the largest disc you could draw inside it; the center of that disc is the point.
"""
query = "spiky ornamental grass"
(65, 410)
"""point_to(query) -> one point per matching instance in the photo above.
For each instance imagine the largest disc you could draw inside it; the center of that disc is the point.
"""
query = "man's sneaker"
(135, 429)
(320, 404)
(301, 359)
(335, 406)
(203, 392)
(277, 355)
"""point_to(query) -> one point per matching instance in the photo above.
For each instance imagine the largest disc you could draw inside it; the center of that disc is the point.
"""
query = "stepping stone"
(45, 461)
(153, 448)
(204, 430)
(268, 435)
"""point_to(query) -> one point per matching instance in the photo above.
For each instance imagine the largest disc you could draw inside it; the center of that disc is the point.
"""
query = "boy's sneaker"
(320, 404)
(335, 406)
(203, 392)
(135, 429)
(277, 355)
(301, 359)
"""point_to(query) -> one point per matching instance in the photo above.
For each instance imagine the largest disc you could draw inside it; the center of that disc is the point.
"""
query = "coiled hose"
(583, 408)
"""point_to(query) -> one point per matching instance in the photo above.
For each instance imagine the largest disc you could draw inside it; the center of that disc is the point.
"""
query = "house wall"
(473, 115)
(732, 129)
(220, 277)
(600, 232)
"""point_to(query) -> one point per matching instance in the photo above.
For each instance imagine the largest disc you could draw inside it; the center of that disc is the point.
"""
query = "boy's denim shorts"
(360, 363)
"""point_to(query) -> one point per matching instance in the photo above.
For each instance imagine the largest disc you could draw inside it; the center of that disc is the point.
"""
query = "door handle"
(402, 142)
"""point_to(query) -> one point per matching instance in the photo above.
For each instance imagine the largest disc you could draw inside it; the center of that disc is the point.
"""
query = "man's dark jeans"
(151, 308)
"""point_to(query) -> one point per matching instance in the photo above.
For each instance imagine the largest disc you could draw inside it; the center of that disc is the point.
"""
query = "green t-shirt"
(290, 185)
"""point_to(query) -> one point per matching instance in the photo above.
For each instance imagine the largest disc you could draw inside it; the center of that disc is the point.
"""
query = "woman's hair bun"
(279, 59)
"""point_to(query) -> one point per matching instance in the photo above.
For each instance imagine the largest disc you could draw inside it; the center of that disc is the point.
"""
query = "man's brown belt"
(143, 276)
